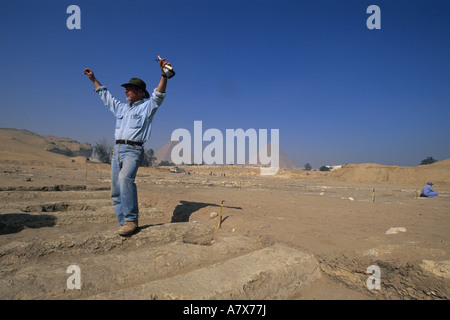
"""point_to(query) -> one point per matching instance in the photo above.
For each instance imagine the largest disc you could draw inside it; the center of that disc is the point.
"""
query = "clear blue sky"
(337, 91)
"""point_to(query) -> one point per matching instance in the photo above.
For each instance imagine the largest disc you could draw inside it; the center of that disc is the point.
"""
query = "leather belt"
(133, 143)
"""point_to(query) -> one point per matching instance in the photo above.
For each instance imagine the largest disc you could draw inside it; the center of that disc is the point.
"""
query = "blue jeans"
(124, 166)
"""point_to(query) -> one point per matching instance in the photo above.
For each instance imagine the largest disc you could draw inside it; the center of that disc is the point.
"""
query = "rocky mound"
(26, 147)
(67, 147)
(438, 172)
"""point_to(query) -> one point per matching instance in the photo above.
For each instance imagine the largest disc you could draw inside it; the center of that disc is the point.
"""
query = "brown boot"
(128, 228)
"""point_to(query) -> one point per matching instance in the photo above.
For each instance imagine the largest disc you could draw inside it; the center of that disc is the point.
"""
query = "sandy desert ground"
(288, 236)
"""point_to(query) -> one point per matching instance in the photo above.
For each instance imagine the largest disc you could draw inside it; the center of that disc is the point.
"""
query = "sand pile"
(438, 172)
(23, 147)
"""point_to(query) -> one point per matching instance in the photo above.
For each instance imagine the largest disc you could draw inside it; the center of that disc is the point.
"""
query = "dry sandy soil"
(55, 212)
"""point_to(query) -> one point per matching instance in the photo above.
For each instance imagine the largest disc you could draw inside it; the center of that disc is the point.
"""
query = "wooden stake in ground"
(220, 216)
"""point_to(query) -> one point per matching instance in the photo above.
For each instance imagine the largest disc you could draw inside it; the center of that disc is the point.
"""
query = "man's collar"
(136, 103)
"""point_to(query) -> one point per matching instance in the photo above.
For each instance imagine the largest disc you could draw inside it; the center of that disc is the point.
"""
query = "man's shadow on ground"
(16, 222)
(183, 211)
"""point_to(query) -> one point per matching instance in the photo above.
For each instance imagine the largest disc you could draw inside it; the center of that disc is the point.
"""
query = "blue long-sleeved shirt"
(428, 192)
(132, 123)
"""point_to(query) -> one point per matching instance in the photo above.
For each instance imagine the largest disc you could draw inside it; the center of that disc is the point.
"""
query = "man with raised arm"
(133, 128)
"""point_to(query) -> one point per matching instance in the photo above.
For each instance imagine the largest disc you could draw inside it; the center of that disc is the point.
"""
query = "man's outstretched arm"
(163, 81)
(91, 77)
(108, 100)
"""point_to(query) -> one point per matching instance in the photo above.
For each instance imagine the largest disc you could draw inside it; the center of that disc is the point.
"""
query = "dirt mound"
(67, 147)
(23, 147)
(438, 172)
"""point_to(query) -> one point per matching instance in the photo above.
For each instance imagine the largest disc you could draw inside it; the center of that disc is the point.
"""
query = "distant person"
(133, 128)
(428, 192)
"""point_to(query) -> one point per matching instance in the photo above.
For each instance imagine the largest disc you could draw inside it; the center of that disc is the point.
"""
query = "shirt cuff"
(159, 94)
(100, 88)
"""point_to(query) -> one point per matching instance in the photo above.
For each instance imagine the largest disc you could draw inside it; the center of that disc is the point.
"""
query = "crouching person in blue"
(428, 191)
(133, 128)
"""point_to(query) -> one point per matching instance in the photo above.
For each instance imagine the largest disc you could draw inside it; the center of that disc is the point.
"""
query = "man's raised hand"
(91, 77)
(89, 73)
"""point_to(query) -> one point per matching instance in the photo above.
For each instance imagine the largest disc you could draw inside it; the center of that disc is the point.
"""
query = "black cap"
(138, 83)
